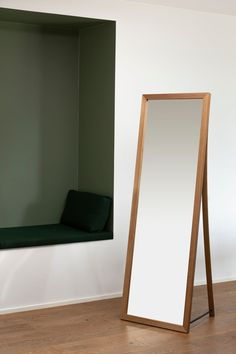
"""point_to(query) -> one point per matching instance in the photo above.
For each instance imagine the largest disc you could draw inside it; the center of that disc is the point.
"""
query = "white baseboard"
(223, 280)
(216, 280)
(4, 311)
(8, 310)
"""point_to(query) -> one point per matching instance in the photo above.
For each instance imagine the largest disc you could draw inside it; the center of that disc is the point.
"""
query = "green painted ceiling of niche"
(47, 19)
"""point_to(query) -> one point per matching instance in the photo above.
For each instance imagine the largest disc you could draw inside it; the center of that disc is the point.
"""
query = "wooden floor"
(95, 328)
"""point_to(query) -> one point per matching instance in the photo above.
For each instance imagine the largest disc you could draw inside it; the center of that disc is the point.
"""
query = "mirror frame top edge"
(184, 95)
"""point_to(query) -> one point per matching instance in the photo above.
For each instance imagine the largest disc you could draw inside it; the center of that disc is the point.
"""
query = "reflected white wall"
(165, 210)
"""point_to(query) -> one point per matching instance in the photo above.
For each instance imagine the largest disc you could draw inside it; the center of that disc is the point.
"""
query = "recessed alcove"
(56, 114)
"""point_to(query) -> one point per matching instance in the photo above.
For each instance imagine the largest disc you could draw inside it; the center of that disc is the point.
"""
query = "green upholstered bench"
(29, 236)
(84, 218)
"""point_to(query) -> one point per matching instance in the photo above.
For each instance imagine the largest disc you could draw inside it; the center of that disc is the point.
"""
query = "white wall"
(158, 50)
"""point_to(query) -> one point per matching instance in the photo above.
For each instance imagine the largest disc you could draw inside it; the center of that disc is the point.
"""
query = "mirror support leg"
(207, 243)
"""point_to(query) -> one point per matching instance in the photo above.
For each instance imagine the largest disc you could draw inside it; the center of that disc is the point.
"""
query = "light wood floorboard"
(95, 328)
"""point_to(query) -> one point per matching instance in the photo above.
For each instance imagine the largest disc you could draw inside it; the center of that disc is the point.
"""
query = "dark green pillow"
(86, 211)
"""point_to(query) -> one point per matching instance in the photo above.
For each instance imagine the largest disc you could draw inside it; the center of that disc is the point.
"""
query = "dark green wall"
(49, 77)
(38, 122)
(96, 108)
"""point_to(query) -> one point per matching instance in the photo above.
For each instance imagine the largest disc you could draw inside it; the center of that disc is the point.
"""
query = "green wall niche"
(56, 113)
(96, 108)
(38, 122)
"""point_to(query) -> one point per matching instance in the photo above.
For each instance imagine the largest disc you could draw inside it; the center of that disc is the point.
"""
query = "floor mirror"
(170, 190)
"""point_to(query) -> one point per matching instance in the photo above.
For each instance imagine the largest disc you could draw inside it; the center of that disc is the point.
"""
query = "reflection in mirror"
(165, 210)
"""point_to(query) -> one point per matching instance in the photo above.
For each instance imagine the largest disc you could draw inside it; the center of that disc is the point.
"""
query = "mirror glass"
(165, 210)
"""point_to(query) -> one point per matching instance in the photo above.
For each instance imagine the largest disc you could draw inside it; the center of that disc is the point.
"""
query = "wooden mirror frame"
(200, 196)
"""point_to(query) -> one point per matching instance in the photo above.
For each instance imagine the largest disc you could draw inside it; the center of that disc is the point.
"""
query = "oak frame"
(200, 196)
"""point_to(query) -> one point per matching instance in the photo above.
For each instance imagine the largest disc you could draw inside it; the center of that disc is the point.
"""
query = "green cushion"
(87, 211)
(27, 236)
